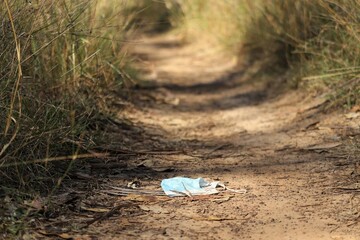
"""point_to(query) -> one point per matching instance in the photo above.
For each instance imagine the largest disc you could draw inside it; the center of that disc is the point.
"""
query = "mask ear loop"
(241, 191)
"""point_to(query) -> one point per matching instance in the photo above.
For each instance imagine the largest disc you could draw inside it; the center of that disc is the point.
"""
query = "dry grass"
(59, 58)
(317, 39)
(316, 42)
(56, 61)
(61, 62)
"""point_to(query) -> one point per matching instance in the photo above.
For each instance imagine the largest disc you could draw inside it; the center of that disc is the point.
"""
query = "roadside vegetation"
(63, 62)
(57, 60)
(314, 42)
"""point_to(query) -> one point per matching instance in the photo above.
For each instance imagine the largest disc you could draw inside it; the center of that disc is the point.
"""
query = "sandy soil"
(199, 114)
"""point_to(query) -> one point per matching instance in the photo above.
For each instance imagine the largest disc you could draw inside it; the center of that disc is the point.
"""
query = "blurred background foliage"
(63, 61)
(314, 42)
(62, 64)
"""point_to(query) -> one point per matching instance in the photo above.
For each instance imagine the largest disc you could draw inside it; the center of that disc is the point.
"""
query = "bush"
(316, 42)
(318, 39)
(57, 59)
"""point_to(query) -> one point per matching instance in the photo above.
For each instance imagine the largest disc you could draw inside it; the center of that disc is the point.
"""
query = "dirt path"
(200, 116)
(228, 127)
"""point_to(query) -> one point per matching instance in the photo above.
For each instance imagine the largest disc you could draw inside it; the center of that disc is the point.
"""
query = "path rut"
(206, 116)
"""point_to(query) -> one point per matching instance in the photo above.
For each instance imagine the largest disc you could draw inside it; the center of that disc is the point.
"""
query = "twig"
(216, 149)
(127, 191)
(17, 83)
(106, 215)
(346, 189)
(355, 221)
(132, 152)
(62, 158)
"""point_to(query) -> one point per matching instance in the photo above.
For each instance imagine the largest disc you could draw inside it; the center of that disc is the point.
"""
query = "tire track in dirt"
(217, 121)
(195, 94)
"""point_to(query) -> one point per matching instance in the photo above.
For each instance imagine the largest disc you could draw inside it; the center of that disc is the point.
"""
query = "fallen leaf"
(284, 148)
(134, 184)
(311, 124)
(174, 101)
(36, 204)
(163, 169)
(325, 129)
(65, 236)
(221, 200)
(52, 234)
(352, 115)
(98, 210)
(82, 175)
(356, 108)
(324, 146)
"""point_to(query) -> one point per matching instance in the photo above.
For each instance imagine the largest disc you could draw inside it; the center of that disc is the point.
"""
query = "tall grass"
(61, 64)
(57, 58)
(318, 39)
(316, 42)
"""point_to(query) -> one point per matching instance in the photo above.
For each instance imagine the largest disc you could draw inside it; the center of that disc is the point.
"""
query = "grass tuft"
(57, 60)
(315, 42)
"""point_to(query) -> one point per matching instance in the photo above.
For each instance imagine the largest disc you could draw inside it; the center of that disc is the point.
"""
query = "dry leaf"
(221, 200)
(324, 146)
(311, 124)
(352, 115)
(356, 108)
(98, 210)
(60, 235)
(36, 204)
(65, 236)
